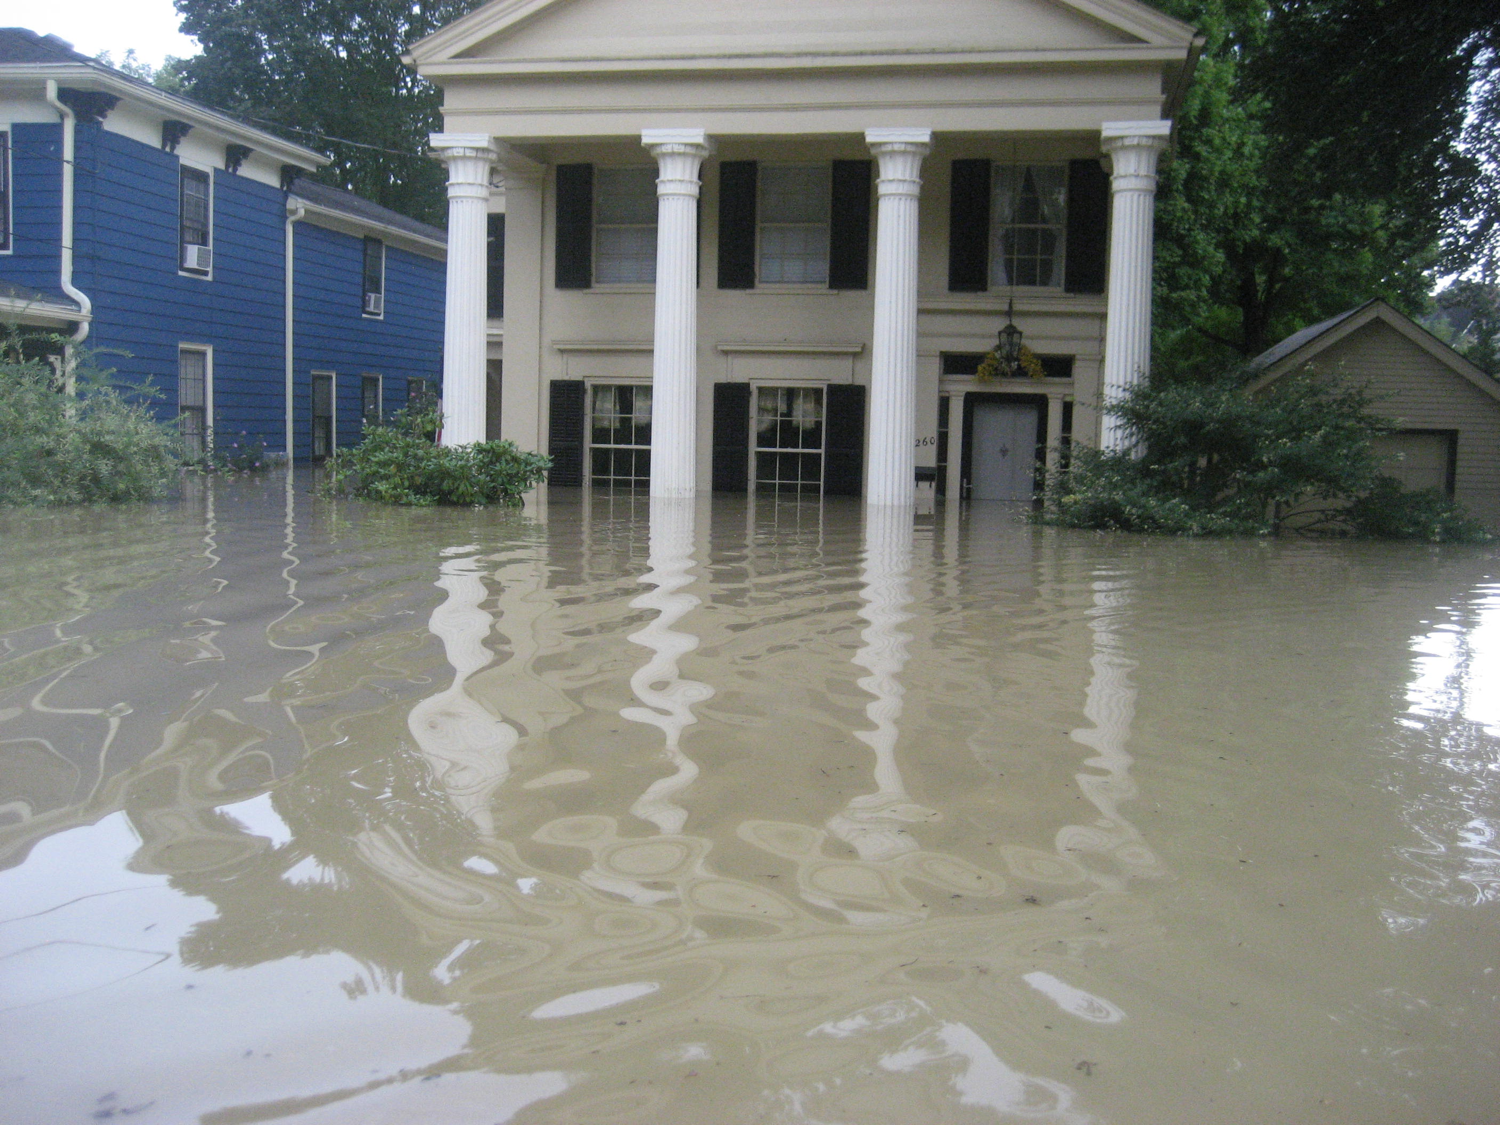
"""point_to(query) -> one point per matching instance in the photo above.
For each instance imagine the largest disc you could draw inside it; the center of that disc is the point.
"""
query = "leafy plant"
(1209, 459)
(241, 454)
(399, 463)
(92, 446)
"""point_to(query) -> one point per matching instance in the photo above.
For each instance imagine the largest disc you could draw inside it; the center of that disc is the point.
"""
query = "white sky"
(149, 26)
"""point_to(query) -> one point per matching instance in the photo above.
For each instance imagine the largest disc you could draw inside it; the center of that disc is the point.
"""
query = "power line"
(327, 137)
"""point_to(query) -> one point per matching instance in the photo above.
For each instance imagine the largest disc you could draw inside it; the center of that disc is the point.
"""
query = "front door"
(1003, 451)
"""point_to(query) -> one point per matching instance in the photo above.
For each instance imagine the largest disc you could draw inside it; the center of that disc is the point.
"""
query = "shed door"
(1418, 459)
(1003, 456)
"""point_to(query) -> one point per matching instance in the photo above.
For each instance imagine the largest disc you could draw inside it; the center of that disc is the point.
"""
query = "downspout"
(69, 145)
(295, 212)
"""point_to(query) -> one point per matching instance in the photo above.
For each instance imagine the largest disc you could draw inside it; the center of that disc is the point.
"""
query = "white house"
(765, 246)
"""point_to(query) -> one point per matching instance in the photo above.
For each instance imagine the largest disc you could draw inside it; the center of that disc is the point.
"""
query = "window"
(193, 401)
(369, 399)
(495, 267)
(195, 213)
(625, 225)
(789, 439)
(374, 283)
(418, 394)
(4, 192)
(794, 208)
(1028, 223)
(323, 432)
(620, 436)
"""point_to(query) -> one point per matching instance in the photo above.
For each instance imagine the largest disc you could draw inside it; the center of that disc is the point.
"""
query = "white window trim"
(10, 189)
(588, 420)
(363, 292)
(209, 171)
(207, 351)
(1060, 259)
(760, 226)
(333, 410)
(379, 393)
(755, 447)
(616, 286)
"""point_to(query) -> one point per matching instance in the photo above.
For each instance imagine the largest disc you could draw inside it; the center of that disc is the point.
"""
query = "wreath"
(1027, 363)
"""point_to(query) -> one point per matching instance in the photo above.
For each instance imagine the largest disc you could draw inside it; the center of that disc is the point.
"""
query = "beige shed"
(1447, 411)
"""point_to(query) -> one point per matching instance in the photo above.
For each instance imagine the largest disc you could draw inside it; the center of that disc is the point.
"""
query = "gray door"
(1003, 459)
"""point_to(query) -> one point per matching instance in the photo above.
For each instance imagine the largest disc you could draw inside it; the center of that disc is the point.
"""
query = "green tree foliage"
(1467, 316)
(331, 69)
(400, 463)
(92, 447)
(1256, 237)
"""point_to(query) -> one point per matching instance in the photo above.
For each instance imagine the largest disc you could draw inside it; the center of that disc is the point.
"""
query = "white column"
(891, 477)
(469, 157)
(674, 365)
(1133, 147)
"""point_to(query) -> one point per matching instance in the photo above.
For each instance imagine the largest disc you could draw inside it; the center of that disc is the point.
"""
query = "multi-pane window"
(789, 439)
(625, 225)
(374, 278)
(322, 415)
(195, 224)
(369, 399)
(192, 401)
(794, 207)
(620, 436)
(4, 190)
(1028, 224)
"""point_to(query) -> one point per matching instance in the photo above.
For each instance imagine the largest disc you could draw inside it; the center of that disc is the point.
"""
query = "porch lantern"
(1008, 346)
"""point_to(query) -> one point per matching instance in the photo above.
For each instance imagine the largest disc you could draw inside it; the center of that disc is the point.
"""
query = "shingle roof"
(1280, 351)
(357, 207)
(22, 45)
(11, 292)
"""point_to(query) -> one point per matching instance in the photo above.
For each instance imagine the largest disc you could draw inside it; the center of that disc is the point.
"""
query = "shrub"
(399, 463)
(94, 446)
(241, 453)
(1213, 460)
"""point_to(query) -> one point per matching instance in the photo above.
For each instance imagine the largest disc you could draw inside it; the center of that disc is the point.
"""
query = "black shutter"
(844, 454)
(737, 224)
(969, 227)
(849, 231)
(1088, 218)
(565, 432)
(575, 226)
(495, 268)
(731, 437)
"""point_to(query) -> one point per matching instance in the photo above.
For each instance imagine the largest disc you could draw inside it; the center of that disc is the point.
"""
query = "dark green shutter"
(495, 268)
(969, 227)
(731, 437)
(565, 432)
(844, 453)
(575, 226)
(1088, 221)
(737, 224)
(849, 231)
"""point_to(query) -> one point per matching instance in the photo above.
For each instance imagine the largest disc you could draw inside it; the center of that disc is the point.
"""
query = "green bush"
(1210, 459)
(399, 463)
(94, 446)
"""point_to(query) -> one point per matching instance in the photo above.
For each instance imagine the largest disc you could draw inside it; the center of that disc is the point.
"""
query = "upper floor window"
(370, 400)
(495, 267)
(1028, 225)
(195, 214)
(625, 225)
(373, 303)
(4, 191)
(794, 210)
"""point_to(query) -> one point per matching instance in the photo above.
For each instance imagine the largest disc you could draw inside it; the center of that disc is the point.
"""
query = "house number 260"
(921, 441)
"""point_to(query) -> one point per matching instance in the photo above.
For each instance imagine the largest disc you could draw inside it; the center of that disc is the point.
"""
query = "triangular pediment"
(624, 30)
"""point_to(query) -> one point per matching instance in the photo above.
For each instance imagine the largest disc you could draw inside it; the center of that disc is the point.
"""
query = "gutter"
(69, 146)
(295, 212)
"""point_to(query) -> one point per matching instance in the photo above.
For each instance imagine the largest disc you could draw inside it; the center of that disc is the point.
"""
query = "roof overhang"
(84, 76)
(42, 313)
(342, 221)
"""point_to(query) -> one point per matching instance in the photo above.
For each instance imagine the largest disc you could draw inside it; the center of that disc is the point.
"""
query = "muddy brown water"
(738, 812)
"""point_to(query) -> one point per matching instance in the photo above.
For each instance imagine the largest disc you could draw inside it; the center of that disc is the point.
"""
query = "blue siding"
(334, 335)
(126, 260)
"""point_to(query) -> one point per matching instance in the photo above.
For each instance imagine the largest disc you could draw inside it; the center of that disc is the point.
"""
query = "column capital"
(677, 142)
(1133, 147)
(455, 146)
(885, 139)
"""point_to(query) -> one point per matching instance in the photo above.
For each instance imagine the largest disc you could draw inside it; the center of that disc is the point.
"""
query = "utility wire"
(326, 137)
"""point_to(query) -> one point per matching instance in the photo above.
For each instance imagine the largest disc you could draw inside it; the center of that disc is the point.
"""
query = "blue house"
(182, 246)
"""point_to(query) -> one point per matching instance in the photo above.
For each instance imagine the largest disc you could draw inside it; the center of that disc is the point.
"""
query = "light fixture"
(1008, 346)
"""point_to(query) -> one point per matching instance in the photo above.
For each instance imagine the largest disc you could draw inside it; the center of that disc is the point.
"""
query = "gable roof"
(25, 54)
(331, 201)
(1301, 348)
(1126, 25)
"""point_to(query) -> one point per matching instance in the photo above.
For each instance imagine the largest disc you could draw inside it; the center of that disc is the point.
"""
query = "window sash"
(789, 439)
(194, 207)
(4, 190)
(369, 397)
(374, 267)
(192, 400)
(794, 211)
(620, 435)
(625, 211)
(1028, 225)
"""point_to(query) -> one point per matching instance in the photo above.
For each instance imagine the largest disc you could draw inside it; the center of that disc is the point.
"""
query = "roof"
(18, 302)
(24, 52)
(1300, 348)
(361, 209)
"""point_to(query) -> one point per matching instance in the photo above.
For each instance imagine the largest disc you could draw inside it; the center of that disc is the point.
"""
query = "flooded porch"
(738, 810)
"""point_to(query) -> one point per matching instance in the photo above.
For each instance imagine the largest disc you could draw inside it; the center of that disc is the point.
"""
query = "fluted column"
(469, 157)
(1133, 147)
(674, 364)
(893, 350)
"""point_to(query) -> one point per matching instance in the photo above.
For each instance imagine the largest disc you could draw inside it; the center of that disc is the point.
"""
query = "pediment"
(603, 31)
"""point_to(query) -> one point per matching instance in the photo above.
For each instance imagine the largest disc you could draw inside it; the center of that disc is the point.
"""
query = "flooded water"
(738, 812)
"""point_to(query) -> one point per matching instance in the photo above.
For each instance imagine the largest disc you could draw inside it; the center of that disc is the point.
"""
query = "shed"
(1446, 410)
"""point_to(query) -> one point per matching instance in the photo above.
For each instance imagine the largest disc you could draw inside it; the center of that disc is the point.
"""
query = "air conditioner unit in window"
(374, 304)
(197, 257)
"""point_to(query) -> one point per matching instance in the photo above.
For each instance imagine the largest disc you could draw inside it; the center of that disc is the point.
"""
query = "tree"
(329, 73)
(1467, 316)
